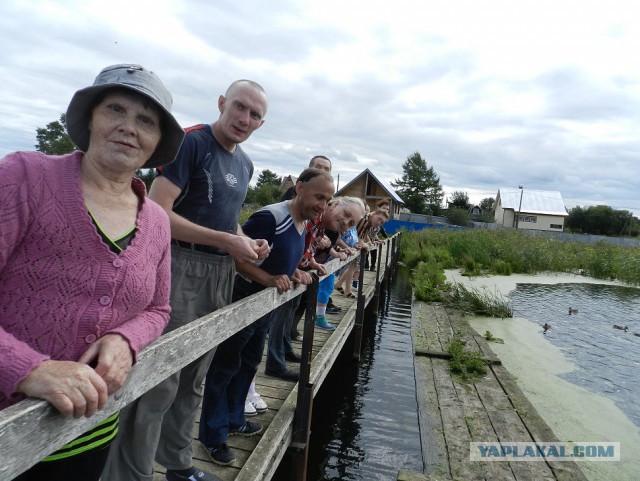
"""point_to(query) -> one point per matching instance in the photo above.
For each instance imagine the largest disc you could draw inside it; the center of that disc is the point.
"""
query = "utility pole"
(521, 187)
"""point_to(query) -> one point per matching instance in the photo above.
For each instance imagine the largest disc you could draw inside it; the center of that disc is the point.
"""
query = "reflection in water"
(606, 359)
(365, 423)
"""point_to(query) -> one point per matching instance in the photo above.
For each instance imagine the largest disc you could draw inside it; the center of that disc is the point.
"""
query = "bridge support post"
(304, 402)
(359, 319)
(376, 291)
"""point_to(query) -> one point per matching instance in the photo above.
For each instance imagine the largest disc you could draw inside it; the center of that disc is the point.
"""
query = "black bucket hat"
(137, 79)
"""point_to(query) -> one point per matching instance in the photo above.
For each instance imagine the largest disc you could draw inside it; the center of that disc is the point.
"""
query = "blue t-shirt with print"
(213, 182)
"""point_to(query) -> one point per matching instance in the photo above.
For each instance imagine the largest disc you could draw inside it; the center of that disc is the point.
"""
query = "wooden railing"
(32, 429)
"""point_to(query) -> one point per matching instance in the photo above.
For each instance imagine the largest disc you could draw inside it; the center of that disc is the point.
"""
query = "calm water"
(606, 359)
(365, 418)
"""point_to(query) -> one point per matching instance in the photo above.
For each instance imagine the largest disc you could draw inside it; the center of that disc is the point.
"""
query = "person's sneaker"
(354, 284)
(293, 357)
(333, 310)
(249, 409)
(220, 454)
(331, 304)
(196, 475)
(247, 429)
(286, 374)
(322, 323)
(257, 402)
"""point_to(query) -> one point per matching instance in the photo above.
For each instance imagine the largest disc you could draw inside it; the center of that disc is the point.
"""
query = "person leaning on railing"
(85, 260)
(377, 234)
(365, 241)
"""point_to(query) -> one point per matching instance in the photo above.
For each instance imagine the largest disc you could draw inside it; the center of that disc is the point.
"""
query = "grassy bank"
(502, 252)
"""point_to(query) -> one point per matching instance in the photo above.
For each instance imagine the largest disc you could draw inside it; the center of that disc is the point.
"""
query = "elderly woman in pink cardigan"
(85, 259)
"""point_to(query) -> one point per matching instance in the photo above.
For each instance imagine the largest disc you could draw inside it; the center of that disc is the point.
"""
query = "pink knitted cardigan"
(61, 288)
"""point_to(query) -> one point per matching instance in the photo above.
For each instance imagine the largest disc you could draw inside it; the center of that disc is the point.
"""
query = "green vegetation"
(491, 338)
(429, 282)
(468, 365)
(602, 220)
(489, 252)
(53, 139)
(266, 191)
(419, 186)
(479, 302)
(245, 213)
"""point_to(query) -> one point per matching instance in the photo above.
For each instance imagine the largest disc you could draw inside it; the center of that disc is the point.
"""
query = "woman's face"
(125, 131)
(341, 217)
(377, 220)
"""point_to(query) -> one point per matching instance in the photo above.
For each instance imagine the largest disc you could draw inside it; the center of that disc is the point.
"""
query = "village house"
(371, 189)
(530, 209)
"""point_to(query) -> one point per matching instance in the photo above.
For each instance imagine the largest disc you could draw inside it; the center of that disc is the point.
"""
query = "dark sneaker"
(220, 454)
(332, 310)
(292, 357)
(196, 475)
(286, 374)
(247, 429)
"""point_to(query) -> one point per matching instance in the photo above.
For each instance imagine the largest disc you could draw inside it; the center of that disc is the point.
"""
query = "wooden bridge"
(32, 429)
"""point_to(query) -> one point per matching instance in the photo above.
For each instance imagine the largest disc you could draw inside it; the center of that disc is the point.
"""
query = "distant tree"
(53, 139)
(576, 219)
(268, 177)
(487, 203)
(459, 199)
(457, 216)
(600, 220)
(263, 195)
(419, 186)
(488, 214)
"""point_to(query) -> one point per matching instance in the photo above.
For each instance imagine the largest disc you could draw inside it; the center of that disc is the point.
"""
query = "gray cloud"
(559, 126)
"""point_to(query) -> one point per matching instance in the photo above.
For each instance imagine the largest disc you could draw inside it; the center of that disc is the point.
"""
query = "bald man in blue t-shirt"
(236, 360)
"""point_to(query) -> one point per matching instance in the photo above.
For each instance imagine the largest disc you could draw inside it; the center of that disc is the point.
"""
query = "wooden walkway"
(258, 457)
(452, 413)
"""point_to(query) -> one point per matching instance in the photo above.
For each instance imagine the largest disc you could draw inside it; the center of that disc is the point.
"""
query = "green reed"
(502, 252)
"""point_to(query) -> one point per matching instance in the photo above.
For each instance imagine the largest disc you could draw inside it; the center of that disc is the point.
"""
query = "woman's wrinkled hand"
(112, 358)
(73, 388)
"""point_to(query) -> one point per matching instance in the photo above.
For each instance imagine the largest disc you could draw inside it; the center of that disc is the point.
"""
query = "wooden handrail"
(32, 429)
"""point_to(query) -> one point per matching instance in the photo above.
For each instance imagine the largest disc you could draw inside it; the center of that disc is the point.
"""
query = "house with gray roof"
(372, 189)
(530, 209)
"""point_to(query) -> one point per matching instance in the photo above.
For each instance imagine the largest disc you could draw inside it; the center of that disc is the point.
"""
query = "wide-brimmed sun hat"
(140, 80)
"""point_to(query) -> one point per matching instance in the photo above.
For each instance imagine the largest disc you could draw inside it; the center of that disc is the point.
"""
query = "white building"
(537, 209)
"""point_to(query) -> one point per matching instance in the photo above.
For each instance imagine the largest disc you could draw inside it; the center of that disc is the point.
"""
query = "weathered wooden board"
(490, 409)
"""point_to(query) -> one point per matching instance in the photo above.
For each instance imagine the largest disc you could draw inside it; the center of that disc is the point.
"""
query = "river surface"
(365, 424)
(606, 359)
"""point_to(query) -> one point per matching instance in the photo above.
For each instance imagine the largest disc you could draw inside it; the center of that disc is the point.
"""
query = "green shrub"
(501, 268)
(429, 282)
(468, 365)
(491, 338)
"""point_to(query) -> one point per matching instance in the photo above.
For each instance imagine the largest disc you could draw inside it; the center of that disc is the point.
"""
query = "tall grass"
(480, 302)
(502, 251)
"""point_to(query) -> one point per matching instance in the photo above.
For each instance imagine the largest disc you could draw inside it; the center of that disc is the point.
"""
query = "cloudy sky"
(492, 93)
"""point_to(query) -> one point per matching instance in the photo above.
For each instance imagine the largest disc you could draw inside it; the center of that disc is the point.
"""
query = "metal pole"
(521, 187)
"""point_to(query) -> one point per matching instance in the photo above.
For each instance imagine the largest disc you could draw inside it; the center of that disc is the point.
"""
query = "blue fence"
(392, 226)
